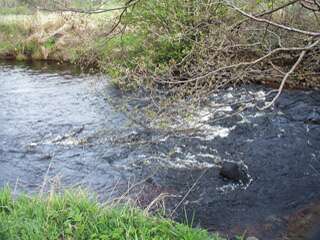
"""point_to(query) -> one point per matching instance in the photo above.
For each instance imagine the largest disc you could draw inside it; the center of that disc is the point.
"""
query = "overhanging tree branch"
(287, 75)
(278, 25)
(91, 11)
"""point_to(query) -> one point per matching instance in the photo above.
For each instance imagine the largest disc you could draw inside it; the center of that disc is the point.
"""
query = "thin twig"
(278, 25)
(293, 68)
(187, 194)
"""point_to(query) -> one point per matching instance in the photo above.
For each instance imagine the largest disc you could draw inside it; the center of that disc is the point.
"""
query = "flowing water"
(57, 129)
(46, 115)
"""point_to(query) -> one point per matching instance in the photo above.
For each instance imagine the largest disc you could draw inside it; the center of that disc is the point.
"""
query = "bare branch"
(91, 11)
(267, 12)
(242, 64)
(278, 25)
(293, 68)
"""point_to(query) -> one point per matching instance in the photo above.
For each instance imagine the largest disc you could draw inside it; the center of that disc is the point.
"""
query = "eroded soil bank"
(58, 130)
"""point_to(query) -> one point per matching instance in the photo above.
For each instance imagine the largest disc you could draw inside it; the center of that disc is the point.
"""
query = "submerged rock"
(234, 171)
(313, 118)
(252, 238)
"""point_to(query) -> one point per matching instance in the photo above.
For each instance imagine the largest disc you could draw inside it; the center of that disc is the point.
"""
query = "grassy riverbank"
(75, 216)
(49, 36)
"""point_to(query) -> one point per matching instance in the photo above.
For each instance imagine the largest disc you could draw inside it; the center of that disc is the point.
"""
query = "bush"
(179, 41)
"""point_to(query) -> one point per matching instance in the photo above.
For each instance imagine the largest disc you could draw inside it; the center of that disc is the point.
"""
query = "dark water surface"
(57, 127)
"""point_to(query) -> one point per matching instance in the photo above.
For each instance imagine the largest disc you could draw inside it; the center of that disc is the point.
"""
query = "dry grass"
(50, 36)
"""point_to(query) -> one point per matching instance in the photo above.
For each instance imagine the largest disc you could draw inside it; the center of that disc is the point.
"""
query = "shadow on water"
(56, 124)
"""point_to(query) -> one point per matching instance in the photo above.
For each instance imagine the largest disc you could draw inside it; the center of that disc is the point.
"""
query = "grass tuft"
(73, 215)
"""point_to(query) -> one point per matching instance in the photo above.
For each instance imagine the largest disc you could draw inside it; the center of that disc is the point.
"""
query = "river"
(58, 130)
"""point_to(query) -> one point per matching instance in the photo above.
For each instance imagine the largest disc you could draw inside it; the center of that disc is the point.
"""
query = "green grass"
(12, 28)
(18, 10)
(74, 215)
(11, 34)
(6, 47)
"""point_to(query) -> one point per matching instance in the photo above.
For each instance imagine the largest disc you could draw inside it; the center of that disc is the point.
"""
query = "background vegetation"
(150, 42)
(183, 43)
